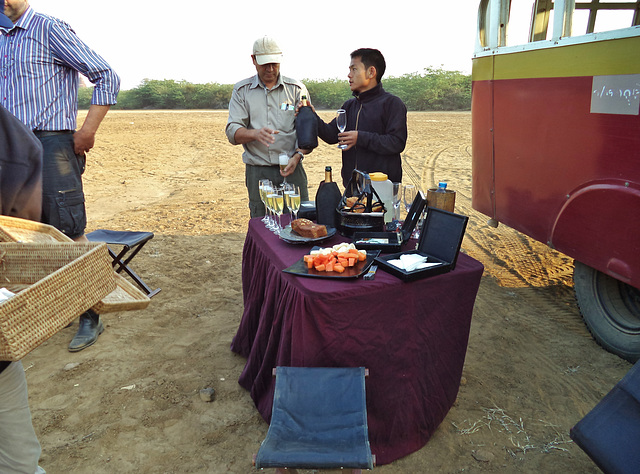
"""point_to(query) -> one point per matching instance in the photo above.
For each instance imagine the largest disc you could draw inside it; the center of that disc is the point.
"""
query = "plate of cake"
(302, 231)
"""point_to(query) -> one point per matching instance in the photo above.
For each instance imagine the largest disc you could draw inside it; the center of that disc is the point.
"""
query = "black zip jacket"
(20, 173)
(381, 121)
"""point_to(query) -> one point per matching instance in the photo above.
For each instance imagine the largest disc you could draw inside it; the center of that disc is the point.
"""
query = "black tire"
(610, 309)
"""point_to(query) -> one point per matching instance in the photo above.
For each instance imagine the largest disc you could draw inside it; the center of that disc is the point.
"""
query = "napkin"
(5, 294)
(412, 261)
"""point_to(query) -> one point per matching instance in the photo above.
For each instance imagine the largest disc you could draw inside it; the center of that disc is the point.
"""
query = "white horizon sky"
(206, 41)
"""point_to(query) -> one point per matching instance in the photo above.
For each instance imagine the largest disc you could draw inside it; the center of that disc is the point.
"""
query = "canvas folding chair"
(318, 421)
(131, 243)
(610, 432)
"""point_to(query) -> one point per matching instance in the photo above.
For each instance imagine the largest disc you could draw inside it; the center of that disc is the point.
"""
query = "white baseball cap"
(267, 51)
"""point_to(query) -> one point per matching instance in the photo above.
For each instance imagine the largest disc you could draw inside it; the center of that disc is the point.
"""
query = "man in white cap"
(262, 120)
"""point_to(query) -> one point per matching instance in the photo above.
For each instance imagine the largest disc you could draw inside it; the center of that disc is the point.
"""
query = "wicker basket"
(125, 297)
(54, 283)
(13, 229)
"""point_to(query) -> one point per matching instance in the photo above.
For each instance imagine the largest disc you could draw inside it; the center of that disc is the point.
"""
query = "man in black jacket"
(20, 196)
(376, 130)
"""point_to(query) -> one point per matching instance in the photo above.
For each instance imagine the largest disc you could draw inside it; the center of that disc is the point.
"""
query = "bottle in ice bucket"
(384, 188)
(306, 126)
(441, 197)
(327, 199)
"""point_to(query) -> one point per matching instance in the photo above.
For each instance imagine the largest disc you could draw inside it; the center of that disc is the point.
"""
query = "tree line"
(433, 89)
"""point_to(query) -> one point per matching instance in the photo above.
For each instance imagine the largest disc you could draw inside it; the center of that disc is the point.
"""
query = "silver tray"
(291, 237)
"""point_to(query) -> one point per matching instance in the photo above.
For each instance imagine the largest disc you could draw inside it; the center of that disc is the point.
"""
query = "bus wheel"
(610, 309)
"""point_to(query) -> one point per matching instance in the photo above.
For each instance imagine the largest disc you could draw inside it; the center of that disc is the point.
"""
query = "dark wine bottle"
(327, 199)
(306, 126)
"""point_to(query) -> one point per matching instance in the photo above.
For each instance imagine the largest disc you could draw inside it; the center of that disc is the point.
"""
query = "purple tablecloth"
(411, 336)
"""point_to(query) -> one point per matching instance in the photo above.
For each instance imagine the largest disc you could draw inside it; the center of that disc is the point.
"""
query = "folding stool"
(318, 421)
(610, 432)
(132, 243)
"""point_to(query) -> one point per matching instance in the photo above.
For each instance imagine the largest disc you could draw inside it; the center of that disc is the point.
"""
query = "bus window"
(542, 21)
(483, 24)
(613, 20)
(519, 21)
(604, 15)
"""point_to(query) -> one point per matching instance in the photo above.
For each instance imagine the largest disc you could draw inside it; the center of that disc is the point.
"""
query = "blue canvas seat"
(131, 243)
(318, 421)
(610, 432)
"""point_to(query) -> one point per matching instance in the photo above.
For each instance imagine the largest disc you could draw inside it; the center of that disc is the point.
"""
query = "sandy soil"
(132, 404)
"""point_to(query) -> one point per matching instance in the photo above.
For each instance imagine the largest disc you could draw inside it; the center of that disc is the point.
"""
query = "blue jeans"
(62, 194)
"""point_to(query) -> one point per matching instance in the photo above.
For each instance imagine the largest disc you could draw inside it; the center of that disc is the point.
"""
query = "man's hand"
(83, 141)
(348, 138)
(293, 162)
(263, 135)
(266, 136)
(300, 105)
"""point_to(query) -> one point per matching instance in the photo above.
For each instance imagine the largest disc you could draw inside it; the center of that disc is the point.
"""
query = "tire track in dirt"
(512, 258)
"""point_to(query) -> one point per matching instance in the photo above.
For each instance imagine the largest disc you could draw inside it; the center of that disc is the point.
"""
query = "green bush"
(433, 89)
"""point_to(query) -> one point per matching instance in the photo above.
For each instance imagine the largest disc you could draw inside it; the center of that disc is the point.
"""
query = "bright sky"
(202, 41)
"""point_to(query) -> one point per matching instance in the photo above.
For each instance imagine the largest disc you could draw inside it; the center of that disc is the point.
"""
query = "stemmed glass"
(283, 160)
(397, 201)
(294, 201)
(408, 196)
(277, 202)
(288, 191)
(269, 190)
(263, 184)
(341, 123)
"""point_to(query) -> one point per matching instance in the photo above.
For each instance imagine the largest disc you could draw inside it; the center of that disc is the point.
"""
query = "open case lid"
(413, 215)
(441, 235)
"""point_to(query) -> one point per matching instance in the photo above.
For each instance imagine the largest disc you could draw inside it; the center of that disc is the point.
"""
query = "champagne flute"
(341, 122)
(269, 190)
(410, 193)
(288, 190)
(283, 160)
(278, 207)
(262, 187)
(294, 201)
(397, 201)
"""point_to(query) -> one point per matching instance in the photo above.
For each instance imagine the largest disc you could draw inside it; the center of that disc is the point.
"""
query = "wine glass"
(262, 187)
(341, 122)
(408, 195)
(269, 190)
(278, 207)
(288, 189)
(283, 160)
(397, 201)
(294, 201)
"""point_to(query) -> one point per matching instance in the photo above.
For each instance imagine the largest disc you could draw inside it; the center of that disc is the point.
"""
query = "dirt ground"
(131, 402)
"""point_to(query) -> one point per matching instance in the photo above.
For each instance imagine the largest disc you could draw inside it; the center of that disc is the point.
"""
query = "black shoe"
(90, 328)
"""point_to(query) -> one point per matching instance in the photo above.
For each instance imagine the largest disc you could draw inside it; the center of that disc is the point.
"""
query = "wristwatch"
(298, 152)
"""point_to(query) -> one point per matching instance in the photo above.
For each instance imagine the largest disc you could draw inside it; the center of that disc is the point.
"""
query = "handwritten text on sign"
(616, 94)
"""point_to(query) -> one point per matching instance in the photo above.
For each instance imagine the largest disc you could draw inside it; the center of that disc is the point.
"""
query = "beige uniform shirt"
(252, 106)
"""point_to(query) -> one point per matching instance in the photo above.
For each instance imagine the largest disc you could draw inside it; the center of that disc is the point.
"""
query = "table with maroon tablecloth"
(411, 336)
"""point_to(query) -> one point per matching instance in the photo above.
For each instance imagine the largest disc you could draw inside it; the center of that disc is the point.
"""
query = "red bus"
(556, 144)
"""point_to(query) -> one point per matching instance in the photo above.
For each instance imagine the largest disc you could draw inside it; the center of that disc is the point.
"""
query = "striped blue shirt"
(40, 58)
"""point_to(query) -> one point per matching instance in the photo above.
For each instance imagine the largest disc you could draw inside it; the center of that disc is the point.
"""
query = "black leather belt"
(50, 133)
